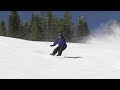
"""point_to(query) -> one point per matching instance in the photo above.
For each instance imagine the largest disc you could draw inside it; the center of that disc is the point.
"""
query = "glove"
(51, 45)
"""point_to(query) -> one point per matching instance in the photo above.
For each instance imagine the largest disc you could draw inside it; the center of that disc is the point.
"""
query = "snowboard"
(57, 56)
(54, 55)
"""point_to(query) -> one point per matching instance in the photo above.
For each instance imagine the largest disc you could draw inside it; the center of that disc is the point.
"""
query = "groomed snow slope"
(21, 59)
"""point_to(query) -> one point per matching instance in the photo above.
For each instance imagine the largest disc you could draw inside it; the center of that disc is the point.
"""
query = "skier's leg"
(56, 50)
(60, 51)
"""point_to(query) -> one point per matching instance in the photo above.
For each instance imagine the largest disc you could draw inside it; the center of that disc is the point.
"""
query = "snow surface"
(97, 59)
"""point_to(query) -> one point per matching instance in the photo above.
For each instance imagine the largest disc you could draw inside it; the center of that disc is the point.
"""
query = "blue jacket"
(60, 41)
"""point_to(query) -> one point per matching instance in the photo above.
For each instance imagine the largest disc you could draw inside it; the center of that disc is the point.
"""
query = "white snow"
(22, 59)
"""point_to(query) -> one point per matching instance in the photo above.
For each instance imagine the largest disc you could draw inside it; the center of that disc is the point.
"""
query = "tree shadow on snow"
(73, 57)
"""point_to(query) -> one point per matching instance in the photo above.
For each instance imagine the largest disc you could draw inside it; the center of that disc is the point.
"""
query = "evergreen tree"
(49, 27)
(49, 18)
(54, 28)
(2, 28)
(32, 19)
(82, 28)
(36, 28)
(21, 30)
(41, 31)
(67, 24)
(10, 32)
(16, 21)
(24, 31)
(14, 24)
(33, 28)
(43, 25)
(73, 29)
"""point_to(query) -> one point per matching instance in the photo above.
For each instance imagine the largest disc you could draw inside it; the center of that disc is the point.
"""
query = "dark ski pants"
(59, 49)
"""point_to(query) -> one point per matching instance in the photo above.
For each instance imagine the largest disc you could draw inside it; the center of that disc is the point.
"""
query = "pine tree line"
(44, 26)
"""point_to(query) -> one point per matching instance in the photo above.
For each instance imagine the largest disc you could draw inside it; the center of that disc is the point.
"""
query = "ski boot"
(52, 54)
(58, 55)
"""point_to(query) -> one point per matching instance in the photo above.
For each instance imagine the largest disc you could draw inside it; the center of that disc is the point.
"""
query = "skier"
(61, 45)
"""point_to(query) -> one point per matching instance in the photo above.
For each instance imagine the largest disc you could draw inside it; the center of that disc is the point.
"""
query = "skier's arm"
(55, 43)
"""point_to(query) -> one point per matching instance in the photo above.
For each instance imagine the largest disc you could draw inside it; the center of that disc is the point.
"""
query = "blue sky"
(94, 18)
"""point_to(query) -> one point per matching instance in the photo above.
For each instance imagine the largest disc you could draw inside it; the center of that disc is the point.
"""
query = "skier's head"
(59, 34)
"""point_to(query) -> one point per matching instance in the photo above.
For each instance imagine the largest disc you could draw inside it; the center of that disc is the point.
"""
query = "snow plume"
(106, 33)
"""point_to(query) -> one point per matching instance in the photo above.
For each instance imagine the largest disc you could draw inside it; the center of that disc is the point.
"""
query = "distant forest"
(44, 26)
